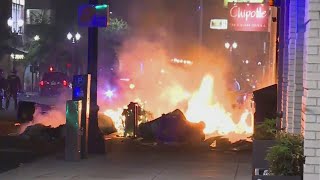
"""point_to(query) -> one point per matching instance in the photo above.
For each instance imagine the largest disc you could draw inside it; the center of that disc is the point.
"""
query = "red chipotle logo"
(248, 17)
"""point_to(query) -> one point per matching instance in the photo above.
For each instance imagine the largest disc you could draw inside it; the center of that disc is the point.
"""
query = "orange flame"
(117, 118)
(217, 120)
(202, 107)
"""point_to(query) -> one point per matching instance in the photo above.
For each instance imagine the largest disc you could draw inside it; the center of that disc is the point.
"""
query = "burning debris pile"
(203, 116)
(172, 127)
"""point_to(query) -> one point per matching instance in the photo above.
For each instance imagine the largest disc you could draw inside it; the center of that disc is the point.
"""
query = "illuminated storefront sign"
(218, 24)
(226, 2)
(17, 56)
(248, 17)
(181, 61)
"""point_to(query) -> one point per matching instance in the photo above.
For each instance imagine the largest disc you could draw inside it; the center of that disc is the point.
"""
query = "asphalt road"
(47, 100)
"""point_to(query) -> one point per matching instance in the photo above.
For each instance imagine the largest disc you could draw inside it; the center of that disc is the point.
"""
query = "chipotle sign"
(248, 17)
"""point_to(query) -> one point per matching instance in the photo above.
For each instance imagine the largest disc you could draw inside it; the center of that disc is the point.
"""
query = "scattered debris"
(41, 132)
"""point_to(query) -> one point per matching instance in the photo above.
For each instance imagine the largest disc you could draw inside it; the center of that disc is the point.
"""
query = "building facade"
(300, 77)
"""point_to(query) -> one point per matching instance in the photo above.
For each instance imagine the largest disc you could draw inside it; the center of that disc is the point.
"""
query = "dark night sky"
(181, 19)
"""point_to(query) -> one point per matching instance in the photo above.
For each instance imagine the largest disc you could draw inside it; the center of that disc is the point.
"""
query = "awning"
(9, 50)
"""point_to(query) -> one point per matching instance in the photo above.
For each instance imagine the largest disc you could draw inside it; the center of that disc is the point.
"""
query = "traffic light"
(276, 3)
(102, 6)
(271, 2)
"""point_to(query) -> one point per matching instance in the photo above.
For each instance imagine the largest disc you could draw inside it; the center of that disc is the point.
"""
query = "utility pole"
(95, 137)
(200, 27)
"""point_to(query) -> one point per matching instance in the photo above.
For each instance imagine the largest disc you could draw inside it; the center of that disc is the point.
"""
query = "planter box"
(259, 152)
(277, 178)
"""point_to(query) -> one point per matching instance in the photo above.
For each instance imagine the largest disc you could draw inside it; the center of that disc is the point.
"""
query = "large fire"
(203, 106)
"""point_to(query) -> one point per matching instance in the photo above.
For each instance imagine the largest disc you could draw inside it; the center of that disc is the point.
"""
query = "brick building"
(300, 77)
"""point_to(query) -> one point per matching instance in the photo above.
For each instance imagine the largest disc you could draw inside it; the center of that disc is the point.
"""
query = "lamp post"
(231, 47)
(36, 38)
(74, 38)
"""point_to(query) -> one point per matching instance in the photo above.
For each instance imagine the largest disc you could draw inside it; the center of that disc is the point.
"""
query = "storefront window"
(38, 16)
(17, 16)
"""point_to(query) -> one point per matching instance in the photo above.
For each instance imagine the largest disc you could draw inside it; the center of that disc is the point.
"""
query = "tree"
(50, 49)
(37, 50)
(116, 30)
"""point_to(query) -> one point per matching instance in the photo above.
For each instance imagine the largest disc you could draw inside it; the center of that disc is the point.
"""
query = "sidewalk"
(124, 163)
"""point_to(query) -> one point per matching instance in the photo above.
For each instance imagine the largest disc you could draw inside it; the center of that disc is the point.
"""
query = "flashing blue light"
(78, 93)
(109, 94)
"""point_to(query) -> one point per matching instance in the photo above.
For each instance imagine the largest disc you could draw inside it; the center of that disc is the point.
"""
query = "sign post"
(93, 16)
(95, 137)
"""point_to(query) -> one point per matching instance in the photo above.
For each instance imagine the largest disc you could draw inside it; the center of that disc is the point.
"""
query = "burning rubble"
(203, 116)
(172, 127)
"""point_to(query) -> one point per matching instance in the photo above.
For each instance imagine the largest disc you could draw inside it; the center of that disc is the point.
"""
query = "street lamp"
(232, 46)
(74, 38)
(36, 37)
(78, 36)
(10, 22)
(227, 45)
(20, 23)
(69, 36)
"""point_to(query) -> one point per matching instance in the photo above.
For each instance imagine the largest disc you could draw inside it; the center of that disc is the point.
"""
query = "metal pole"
(135, 120)
(32, 79)
(201, 27)
(14, 63)
(73, 58)
(95, 138)
(281, 34)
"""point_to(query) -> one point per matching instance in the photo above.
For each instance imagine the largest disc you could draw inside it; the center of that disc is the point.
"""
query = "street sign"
(93, 16)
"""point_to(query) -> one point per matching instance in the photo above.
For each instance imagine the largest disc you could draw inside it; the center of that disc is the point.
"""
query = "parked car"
(54, 83)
